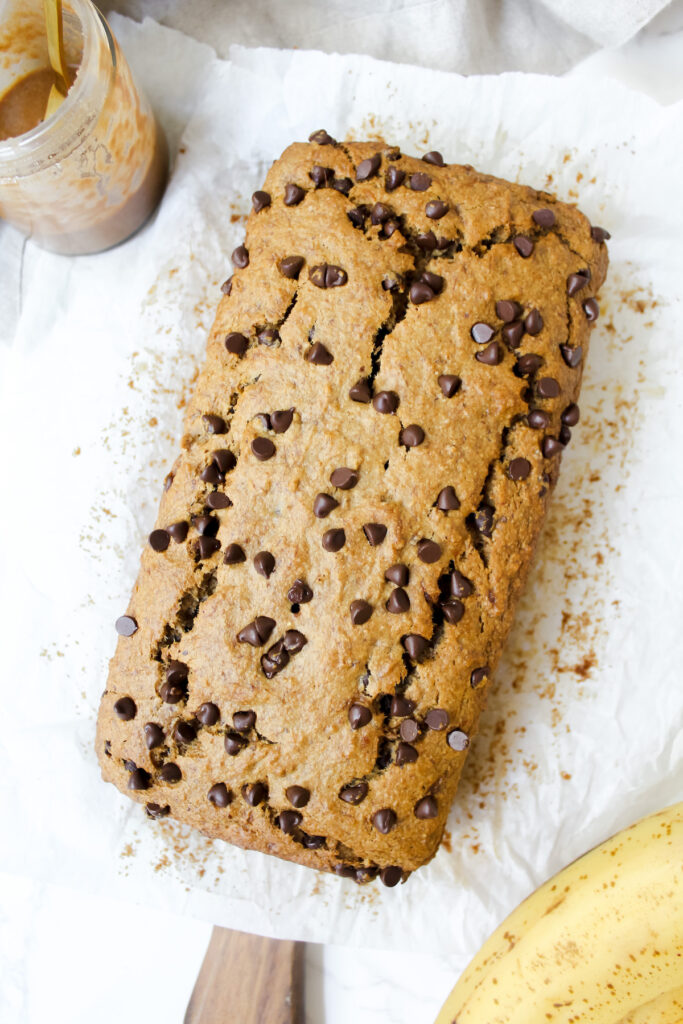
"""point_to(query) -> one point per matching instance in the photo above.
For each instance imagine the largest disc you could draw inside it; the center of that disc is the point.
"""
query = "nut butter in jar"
(90, 175)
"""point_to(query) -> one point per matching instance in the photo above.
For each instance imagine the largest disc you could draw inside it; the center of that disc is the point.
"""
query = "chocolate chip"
(170, 773)
(344, 870)
(434, 157)
(360, 392)
(508, 310)
(264, 563)
(428, 551)
(226, 287)
(523, 245)
(519, 469)
(416, 646)
(139, 779)
(379, 213)
(260, 200)
(398, 602)
(391, 876)
(275, 659)
(436, 209)
(548, 387)
(398, 574)
(255, 793)
(176, 672)
(125, 708)
(453, 610)
(393, 178)
(234, 554)
(420, 292)
(437, 719)
(173, 692)
(319, 355)
(420, 182)
(405, 754)
(385, 401)
(154, 735)
(263, 448)
(208, 714)
(533, 324)
(544, 218)
(290, 266)
(240, 257)
(460, 586)
(321, 138)
(538, 419)
(294, 641)
(368, 168)
(512, 333)
(293, 195)
(288, 821)
(359, 716)
(358, 216)
(483, 520)
(360, 612)
(312, 842)
(321, 176)
(409, 730)
(528, 363)
(219, 795)
(334, 540)
(159, 540)
(447, 500)
(551, 447)
(591, 309)
(458, 740)
(412, 436)
(155, 811)
(565, 435)
(224, 459)
(218, 500)
(478, 676)
(570, 416)
(426, 808)
(575, 282)
(599, 234)
(375, 533)
(366, 873)
(214, 424)
(244, 720)
(435, 281)
(343, 478)
(184, 732)
(491, 355)
(126, 625)
(206, 526)
(449, 384)
(354, 794)
(234, 744)
(298, 796)
(343, 185)
(572, 356)
(481, 333)
(401, 707)
(389, 285)
(384, 820)
(257, 631)
(281, 420)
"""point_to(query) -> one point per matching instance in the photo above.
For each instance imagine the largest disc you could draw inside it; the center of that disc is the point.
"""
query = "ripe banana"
(665, 1009)
(592, 945)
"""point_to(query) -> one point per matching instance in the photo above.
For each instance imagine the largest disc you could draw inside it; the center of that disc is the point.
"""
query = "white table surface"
(69, 958)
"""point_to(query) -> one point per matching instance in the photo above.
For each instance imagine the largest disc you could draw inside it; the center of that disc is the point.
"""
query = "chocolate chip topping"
(385, 402)
(234, 554)
(312, 842)
(412, 436)
(281, 420)
(206, 526)
(391, 876)
(394, 178)
(401, 707)
(334, 540)
(519, 469)
(436, 209)
(447, 500)
(570, 416)
(255, 793)
(327, 276)
(298, 796)
(291, 266)
(172, 692)
(219, 795)
(375, 533)
(264, 563)
(208, 714)
(591, 309)
(599, 234)
(240, 257)
(155, 811)
(294, 641)
(343, 185)
(218, 500)
(244, 720)
(226, 287)
(481, 333)
(458, 740)
(548, 387)
(126, 625)
(449, 384)
(512, 334)
(508, 310)
(368, 168)
(323, 504)
(139, 779)
(257, 631)
(420, 182)
(533, 323)
(437, 719)
(260, 200)
(427, 241)
(299, 592)
(184, 732)
(321, 138)
(538, 419)
(421, 292)
(452, 609)
(460, 585)
(125, 708)
(319, 355)
(178, 532)
(360, 392)
(359, 716)
(478, 676)
(384, 820)
(409, 730)
(288, 821)
(224, 459)
(398, 602)
(354, 794)
(170, 773)
(528, 363)
(159, 540)
(234, 743)
(214, 424)
(565, 435)
(344, 478)
(572, 356)
(577, 281)
(379, 213)
(483, 520)
(416, 646)
(426, 808)
(428, 551)
(269, 336)
(544, 218)
(263, 448)
(321, 176)
(398, 574)
(551, 447)
(360, 612)
(405, 754)
(293, 194)
(154, 735)
(491, 355)
(523, 245)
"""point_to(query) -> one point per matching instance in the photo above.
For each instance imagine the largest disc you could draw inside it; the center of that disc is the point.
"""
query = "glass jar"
(90, 175)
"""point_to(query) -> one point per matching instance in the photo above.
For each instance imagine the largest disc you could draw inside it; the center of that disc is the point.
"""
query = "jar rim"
(20, 154)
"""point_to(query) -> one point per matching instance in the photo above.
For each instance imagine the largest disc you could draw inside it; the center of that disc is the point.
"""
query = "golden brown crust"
(190, 609)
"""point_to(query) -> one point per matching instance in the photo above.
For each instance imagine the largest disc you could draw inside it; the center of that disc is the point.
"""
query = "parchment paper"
(583, 731)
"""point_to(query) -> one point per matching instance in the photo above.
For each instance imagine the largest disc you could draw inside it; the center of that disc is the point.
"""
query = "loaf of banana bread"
(389, 384)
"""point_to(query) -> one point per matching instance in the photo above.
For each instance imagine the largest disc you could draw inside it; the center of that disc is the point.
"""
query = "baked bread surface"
(303, 675)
